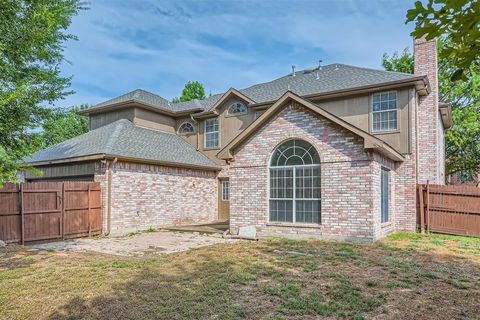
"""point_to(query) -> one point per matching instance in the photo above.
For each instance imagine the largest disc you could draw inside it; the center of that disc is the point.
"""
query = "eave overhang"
(102, 156)
(138, 104)
(446, 114)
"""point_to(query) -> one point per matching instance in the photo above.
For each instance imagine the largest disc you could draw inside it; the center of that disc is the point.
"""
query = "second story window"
(384, 111)
(237, 108)
(186, 128)
(211, 133)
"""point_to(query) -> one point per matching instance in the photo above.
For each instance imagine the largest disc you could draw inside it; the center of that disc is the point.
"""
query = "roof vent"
(336, 67)
(320, 64)
(293, 70)
(317, 76)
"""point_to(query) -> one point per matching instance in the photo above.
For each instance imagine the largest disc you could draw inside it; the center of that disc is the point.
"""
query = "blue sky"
(159, 45)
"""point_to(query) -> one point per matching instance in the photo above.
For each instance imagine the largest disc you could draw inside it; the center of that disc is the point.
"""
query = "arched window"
(237, 108)
(186, 128)
(295, 183)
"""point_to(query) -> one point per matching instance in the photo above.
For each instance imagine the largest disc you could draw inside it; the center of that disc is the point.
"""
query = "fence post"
(428, 206)
(421, 208)
(62, 224)
(22, 209)
(89, 216)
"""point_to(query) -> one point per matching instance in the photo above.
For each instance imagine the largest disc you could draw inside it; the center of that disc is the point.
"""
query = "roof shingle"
(122, 138)
(329, 78)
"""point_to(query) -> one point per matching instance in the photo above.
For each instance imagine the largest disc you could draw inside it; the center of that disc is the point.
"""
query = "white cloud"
(159, 45)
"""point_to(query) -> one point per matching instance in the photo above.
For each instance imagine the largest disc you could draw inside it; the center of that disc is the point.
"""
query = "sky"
(159, 45)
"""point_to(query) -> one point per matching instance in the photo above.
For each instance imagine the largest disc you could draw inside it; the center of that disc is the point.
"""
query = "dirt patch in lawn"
(274, 279)
(136, 244)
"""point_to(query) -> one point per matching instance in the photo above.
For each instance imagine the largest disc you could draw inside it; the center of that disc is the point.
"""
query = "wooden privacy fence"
(449, 209)
(41, 211)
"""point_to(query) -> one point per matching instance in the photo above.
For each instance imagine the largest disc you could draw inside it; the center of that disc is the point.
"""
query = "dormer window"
(186, 128)
(237, 108)
(384, 111)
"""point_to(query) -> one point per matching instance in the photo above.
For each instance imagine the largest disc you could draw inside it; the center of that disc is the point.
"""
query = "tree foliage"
(32, 36)
(398, 62)
(192, 90)
(462, 140)
(458, 21)
(63, 124)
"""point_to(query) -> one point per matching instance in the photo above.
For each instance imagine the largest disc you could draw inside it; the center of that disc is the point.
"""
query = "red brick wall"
(350, 180)
(146, 196)
(430, 133)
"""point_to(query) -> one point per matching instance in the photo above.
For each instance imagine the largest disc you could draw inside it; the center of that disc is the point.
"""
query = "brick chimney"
(430, 132)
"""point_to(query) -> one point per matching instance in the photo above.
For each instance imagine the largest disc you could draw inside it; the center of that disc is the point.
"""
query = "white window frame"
(184, 133)
(294, 195)
(225, 190)
(237, 113)
(386, 111)
(205, 133)
(385, 171)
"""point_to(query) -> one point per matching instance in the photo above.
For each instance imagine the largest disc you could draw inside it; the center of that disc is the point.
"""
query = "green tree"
(63, 124)
(457, 21)
(32, 37)
(463, 138)
(192, 90)
(398, 62)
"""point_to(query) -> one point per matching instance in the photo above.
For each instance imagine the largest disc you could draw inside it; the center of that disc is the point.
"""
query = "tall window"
(211, 133)
(186, 128)
(384, 111)
(385, 195)
(225, 190)
(295, 183)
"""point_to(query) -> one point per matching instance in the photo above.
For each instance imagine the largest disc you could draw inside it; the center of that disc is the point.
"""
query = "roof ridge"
(119, 126)
(372, 69)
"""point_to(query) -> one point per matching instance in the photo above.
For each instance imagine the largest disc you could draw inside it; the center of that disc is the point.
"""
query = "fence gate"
(47, 211)
(449, 209)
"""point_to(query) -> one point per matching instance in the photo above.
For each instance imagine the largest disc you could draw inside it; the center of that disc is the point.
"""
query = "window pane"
(307, 211)
(281, 210)
(294, 153)
(384, 115)
(384, 198)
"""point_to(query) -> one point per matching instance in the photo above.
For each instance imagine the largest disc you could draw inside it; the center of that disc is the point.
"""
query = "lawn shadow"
(185, 292)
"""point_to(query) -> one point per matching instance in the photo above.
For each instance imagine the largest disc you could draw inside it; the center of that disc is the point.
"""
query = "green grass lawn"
(403, 277)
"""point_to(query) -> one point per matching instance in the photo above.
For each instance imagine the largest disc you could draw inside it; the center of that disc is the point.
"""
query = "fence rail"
(46, 211)
(449, 209)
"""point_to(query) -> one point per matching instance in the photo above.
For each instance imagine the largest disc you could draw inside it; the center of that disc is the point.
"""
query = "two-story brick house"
(331, 152)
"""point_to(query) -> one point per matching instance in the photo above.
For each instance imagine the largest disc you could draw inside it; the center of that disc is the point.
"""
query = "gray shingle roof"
(124, 139)
(331, 77)
(146, 97)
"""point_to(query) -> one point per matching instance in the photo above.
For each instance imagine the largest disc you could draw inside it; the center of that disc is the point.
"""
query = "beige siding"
(357, 111)
(104, 118)
(229, 125)
(153, 120)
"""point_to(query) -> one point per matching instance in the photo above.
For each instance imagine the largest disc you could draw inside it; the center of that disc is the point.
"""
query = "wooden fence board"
(44, 211)
(450, 209)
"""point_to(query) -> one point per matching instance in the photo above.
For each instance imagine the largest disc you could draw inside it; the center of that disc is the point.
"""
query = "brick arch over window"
(294, 183)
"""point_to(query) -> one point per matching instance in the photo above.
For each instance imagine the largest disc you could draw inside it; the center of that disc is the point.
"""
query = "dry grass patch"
(399, 278)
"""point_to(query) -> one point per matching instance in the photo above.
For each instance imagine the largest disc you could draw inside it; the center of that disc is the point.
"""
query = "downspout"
(109, 195)
(416, 137)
